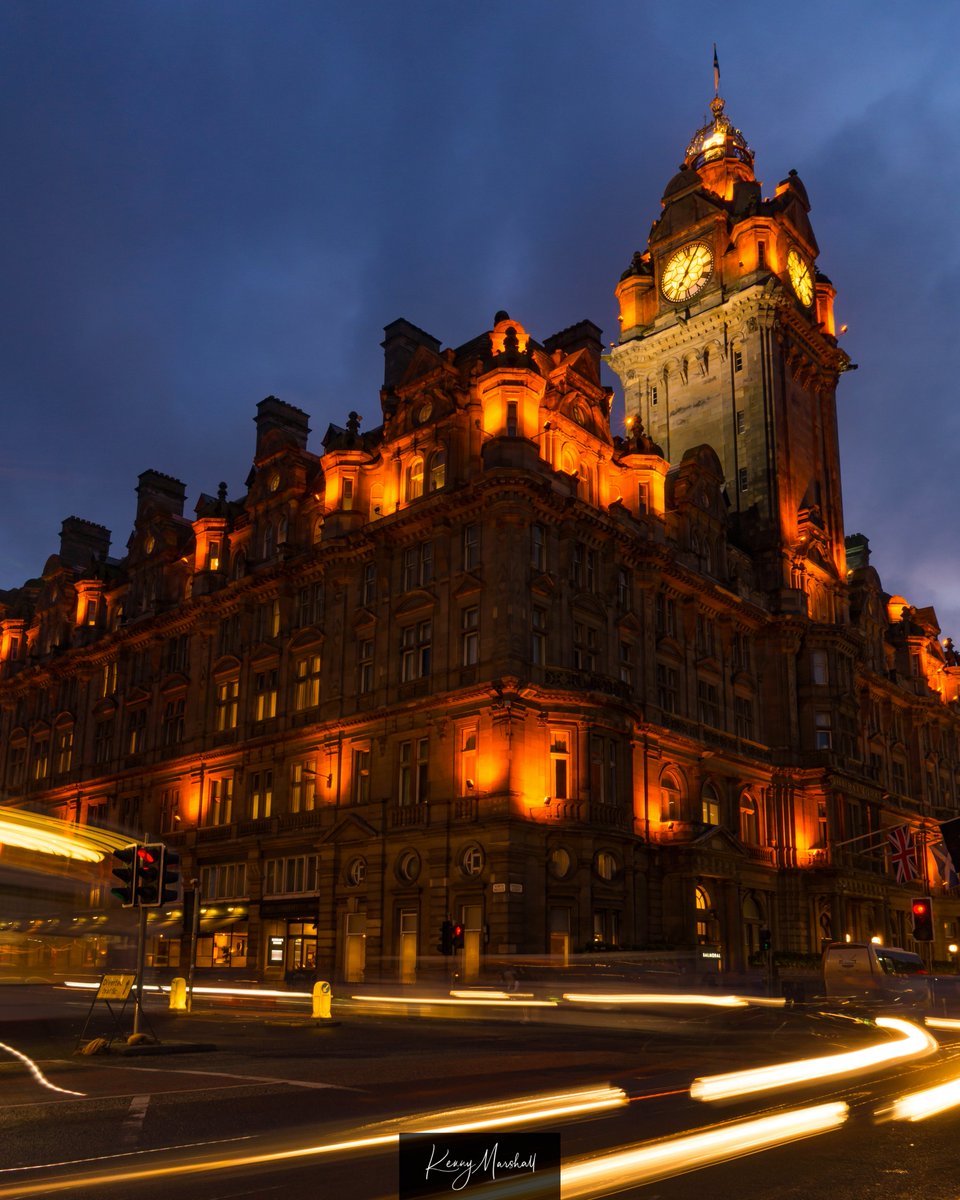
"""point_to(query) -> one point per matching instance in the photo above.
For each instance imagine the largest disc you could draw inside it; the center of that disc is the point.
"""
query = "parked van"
(866, 971)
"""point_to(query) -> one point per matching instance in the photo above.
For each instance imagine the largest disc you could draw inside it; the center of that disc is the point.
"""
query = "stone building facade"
(490, 662)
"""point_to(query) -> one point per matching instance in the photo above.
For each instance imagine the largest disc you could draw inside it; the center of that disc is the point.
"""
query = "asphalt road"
(279, 1084)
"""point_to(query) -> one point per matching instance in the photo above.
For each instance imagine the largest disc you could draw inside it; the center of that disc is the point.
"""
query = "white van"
(866, 971)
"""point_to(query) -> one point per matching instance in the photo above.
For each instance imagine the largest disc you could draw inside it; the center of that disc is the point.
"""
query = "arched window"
(670, 797)
(710, 805)
(438, 470)
(269, 540)
(318, 530)
(585, 483)
(705, 916)
(749, 820)
(414, 487)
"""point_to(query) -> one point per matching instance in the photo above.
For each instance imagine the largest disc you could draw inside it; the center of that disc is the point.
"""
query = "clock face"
(686, 272)
(801, 278)
(424, 412)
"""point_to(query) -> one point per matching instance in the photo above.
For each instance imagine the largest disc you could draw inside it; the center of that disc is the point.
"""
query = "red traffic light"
(920, 908)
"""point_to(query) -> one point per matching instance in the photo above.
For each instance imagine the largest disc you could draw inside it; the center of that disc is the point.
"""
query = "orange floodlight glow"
(915, 1043)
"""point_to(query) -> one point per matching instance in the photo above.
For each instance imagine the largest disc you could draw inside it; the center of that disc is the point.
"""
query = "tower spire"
(716, 73)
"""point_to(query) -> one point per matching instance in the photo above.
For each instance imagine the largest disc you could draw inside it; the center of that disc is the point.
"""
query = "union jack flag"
(902, 859)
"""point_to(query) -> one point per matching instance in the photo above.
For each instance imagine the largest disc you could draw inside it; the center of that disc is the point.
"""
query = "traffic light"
(922, 912)
(446, 938)
(458, 936)
(149, 867)
(125, 867)
(169, 875)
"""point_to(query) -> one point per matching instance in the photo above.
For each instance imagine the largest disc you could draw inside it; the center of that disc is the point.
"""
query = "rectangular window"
(559, 764)
(220, 801)
(823, 731)
(310, 605)
(538, 548)
(41, 758)
(743, 717)
(738, 360)
(576, 567)
(706, 636)
(93, 608)
(417, 566)
(623, 589)
(176, 654)
(603, 769)
(590, 570)
(743, 479)
(102, 741)
(819, 667)
(172, 727)
(468, 761)
(741, 421)
(107, 681)
(626, 663)
(414, 764)
(761, 255)
(226, 881)
(584, 647)
(137, 731)
(347, 495)
(261, 795)
(538, 649)
(360, 782)
(471, 547)
(668, 688)
(290, 875)
(708, 704)
(213, 555)
(365, 655)
(265, 685)
(64, 754)
(654, 395)
(666, 616)
(227, 704)
(302, 787)
(513, 418)
(228, 640)
(17, 766)
(268, 620)
(898, 774)
(741, 651)
(307, 682)
(415, 643)
(369, 591)
(470, 637)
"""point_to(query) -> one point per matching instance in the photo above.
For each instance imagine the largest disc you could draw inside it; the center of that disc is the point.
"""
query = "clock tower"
(727, 338)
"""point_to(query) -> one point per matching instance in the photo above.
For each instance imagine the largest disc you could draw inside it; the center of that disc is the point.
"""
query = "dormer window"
(346, 495)
(213, 556)
(513, 419)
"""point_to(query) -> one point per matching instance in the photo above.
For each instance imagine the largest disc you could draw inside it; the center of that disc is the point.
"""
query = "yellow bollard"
(178, 995)
(322, 1000)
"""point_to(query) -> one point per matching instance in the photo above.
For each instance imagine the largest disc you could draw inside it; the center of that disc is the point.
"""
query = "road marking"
(133, 1125)
(79, 1162)
(256, 1078)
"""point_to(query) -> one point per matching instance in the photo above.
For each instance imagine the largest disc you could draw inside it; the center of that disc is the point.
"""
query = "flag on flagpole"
(902, 859)
(950, 832)
(945, 868)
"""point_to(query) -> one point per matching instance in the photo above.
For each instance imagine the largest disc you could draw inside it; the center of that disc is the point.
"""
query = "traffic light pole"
(141, 948)
(194, 934)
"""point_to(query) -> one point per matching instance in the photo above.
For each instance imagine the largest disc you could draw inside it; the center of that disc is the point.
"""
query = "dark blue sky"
(208, 202)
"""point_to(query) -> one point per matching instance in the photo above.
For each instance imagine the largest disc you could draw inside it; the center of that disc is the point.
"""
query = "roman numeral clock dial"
(686, 271)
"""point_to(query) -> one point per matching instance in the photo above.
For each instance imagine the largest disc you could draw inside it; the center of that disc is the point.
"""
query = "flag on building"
(950, 832)
(945, 868)
(902, 859)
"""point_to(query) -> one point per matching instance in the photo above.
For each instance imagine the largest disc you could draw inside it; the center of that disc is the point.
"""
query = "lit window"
(438, 470)
(559, 764)
(346, 495)
(227, 704)
(302, 787)
(213, 556)
(220, 801)
(414, 771)
(265, 693)
(414, 482)
(710, 805)
(307, 682)
(261, 794)
(468, 761)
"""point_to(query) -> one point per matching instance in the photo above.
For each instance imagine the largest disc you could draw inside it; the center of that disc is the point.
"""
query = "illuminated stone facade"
(489, 662)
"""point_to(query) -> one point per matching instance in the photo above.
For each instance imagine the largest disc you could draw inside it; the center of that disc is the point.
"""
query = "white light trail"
(915, 1043)
(37, 1073)
(657, 1160)
(654, 998)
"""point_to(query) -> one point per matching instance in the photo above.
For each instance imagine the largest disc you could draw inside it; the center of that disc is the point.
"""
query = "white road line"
(133, 1124)
(256, 1079)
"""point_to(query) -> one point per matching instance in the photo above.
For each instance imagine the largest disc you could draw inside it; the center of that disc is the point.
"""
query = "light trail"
(526, 1110)
(653, 998)
(917, 1106)
(942, 1023)
(480, 1003)
(915, 1043)
(50, 835)
(657, 1160)
(37, 1073)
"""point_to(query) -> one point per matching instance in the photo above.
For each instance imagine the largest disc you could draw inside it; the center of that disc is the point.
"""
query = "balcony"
(409, 816)
(301, 820)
